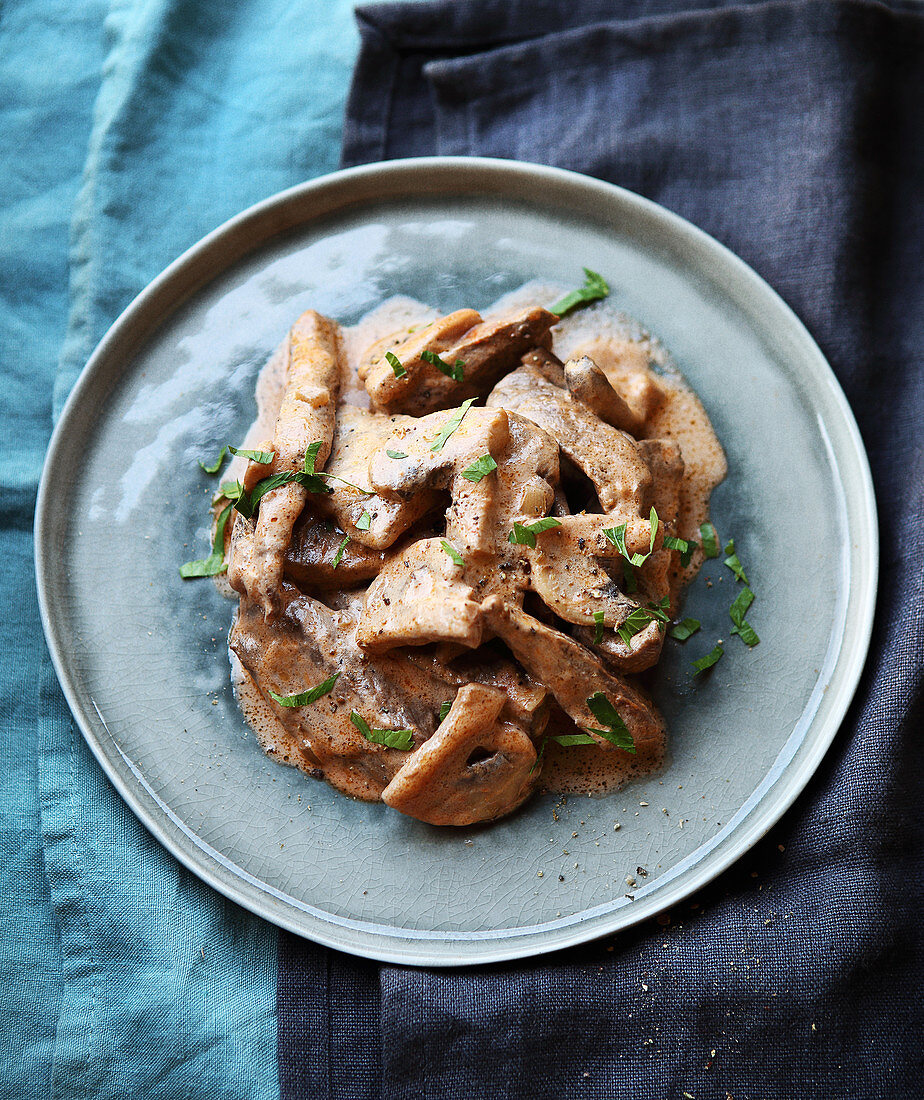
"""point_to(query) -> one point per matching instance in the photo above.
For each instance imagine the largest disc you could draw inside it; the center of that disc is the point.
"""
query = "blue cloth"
(792, 132)
(128, 129)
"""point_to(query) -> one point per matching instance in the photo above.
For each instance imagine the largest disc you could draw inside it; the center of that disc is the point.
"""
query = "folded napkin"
(791, 132)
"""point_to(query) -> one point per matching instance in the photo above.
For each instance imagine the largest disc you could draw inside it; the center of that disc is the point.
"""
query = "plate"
(142, 657)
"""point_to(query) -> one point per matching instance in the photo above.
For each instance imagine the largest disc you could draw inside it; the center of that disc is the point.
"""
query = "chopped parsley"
(616, 731)
(640, 617)
(709, 660)
(451, 424)
(392, 739)
(338, 557)
(454, 372)
(598, 627)
(395, 363)
(452, 552)
(364, 522)
(215, 562)
(737, 611)
(263, 457)
(569, 739)
(306, 698)
(710, 539)
(216, 465)
(445, 708)
(480, 468)
(684, 629)
(396, 454)
(733, 563)
(524, 534)
(686, 548)
(594, 288)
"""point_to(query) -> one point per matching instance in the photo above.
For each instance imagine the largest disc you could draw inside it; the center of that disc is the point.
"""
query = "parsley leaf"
(396, 454)
(685, 629)
(640, 617)
(480, 468)
(306, 698)
(454, 372)
(653, 517)
(524, 534)
(392, 739)
(452, 552)
(445, 708)
(616, 731)
(451, 424)
(364, 522)
(216, 465)
(709, 660)
(340, 549)
(215, 562)
(686, 548)
(737, 611)
(569, 739)
(395, 363)
(598, 628)
(733, 563)
(710, 539)
(593, 289)
(263, 457)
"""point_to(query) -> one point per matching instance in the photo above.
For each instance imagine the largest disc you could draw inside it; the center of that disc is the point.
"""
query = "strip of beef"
(306, 415)
(474, 768)
(485, 349)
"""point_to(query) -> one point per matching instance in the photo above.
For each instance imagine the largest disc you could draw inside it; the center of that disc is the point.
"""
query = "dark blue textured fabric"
(792, 133)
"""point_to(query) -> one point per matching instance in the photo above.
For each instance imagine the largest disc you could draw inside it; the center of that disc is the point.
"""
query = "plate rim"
(269, 218)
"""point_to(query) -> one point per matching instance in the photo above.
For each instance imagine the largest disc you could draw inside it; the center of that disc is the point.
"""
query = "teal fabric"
(127, 131)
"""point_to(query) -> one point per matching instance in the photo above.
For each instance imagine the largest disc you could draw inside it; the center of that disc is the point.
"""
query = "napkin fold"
(791, 132)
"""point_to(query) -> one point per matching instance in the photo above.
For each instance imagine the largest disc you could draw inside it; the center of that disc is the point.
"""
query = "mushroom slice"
(486, 349)
(609, 457)
(587, 383)
(642, 651)
(306, 415)
(474, 767)
(626, 365)
(547, 363)
(572, 673)
(314, 558)
(585, 533)
(419, 597)
(480, 432)
(661, 574)
(369, 519)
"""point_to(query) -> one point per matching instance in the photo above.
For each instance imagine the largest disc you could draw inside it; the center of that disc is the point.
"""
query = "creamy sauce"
(630, 357)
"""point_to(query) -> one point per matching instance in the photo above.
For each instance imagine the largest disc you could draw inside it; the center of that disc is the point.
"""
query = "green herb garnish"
(710, 539)
(396, 454)
(215, 562)
(395, 363)
(445, 708)
(452, 552)
(451, 424)
(733, 563)
(480, 468)
(616, 732)
(686, 548)
(569, 739)
(263, 457)
(392, 739)
(364, 522)
(593, 289)
(338, 557)
(306, 698)
(737, 611)
(598, 627)
(454, 372)
(684, 629)
(216, 465)
(709, 660)
(640, 617)
(617, 536)
(524, 534)
(653, 519)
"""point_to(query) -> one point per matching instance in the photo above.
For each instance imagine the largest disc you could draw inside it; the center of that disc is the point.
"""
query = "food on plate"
(457, 543)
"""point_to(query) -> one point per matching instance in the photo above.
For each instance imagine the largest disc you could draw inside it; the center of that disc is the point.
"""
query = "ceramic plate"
(142, 655)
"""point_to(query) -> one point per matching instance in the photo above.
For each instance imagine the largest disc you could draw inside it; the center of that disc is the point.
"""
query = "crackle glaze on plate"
(142, 658)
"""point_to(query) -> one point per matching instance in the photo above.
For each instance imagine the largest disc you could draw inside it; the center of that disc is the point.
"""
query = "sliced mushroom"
(625, 364)
(640, 653)
(369, 519)
(571, 672)
(485, 350)
(311, 559)
(306, 415)
(474, 767)
(419, 597)
(480, 432)
(609, 457)
(587, 383)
